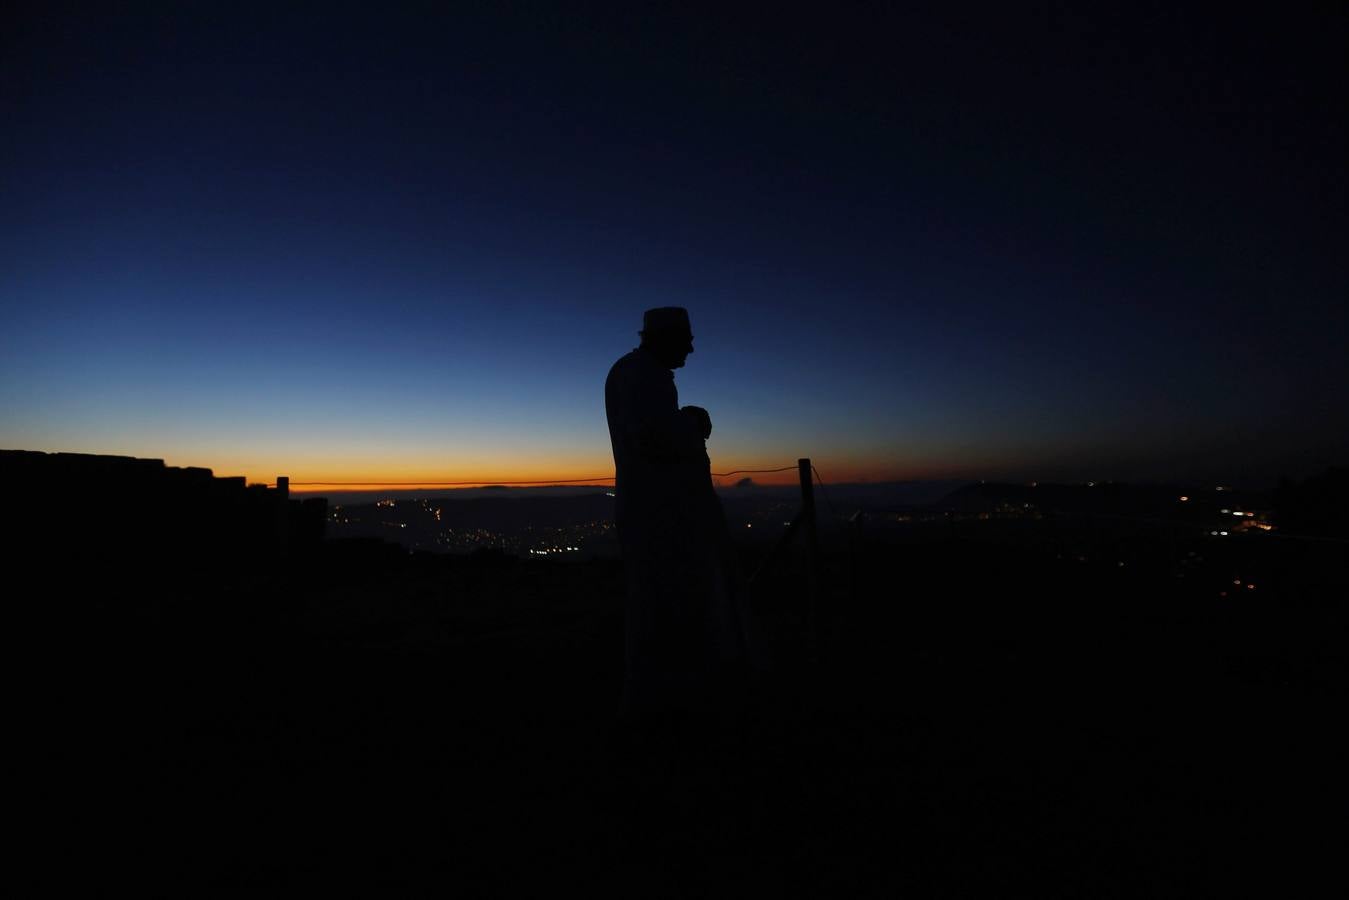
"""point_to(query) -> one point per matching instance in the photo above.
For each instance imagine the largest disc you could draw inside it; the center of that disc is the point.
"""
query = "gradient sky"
(343, 243)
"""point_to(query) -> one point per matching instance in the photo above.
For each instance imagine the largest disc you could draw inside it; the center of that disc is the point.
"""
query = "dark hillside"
(979, 720)
(1055, 706)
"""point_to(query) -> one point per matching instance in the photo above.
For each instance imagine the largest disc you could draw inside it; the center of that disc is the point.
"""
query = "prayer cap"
(666, 319)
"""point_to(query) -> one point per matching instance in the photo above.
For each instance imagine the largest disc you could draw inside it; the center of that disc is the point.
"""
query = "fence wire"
(488, 481)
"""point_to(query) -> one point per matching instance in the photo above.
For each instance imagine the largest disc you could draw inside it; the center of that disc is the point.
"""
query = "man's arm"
(653, 424)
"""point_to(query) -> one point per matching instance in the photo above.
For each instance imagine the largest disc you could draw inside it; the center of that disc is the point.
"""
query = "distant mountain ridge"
(870, 494)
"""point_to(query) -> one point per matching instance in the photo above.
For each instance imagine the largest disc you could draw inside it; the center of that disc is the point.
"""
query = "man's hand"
(701, 420)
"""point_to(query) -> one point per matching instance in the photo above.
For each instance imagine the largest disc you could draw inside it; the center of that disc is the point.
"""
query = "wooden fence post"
(283, 515)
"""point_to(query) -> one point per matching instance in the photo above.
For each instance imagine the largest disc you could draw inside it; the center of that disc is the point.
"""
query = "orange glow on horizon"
(375, 486)
(309, 475)
(320, 473)
(326, 481)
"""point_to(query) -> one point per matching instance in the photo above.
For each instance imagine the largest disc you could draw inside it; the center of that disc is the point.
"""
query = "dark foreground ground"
(983, 719)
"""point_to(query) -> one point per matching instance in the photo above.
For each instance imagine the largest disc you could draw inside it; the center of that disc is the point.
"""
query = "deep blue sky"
(340, 242)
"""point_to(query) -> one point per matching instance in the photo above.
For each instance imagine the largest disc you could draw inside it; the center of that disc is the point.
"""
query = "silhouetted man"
(681, 633)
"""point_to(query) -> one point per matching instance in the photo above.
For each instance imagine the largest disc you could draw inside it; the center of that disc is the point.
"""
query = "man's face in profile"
(672, 348)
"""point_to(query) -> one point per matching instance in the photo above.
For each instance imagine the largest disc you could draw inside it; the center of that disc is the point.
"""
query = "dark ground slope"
(982, 720)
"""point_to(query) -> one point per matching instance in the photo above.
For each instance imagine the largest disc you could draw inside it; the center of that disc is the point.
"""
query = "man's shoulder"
(631, 358)
(637, 364)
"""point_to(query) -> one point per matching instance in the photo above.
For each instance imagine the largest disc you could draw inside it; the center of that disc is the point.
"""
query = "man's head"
(667, 335)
